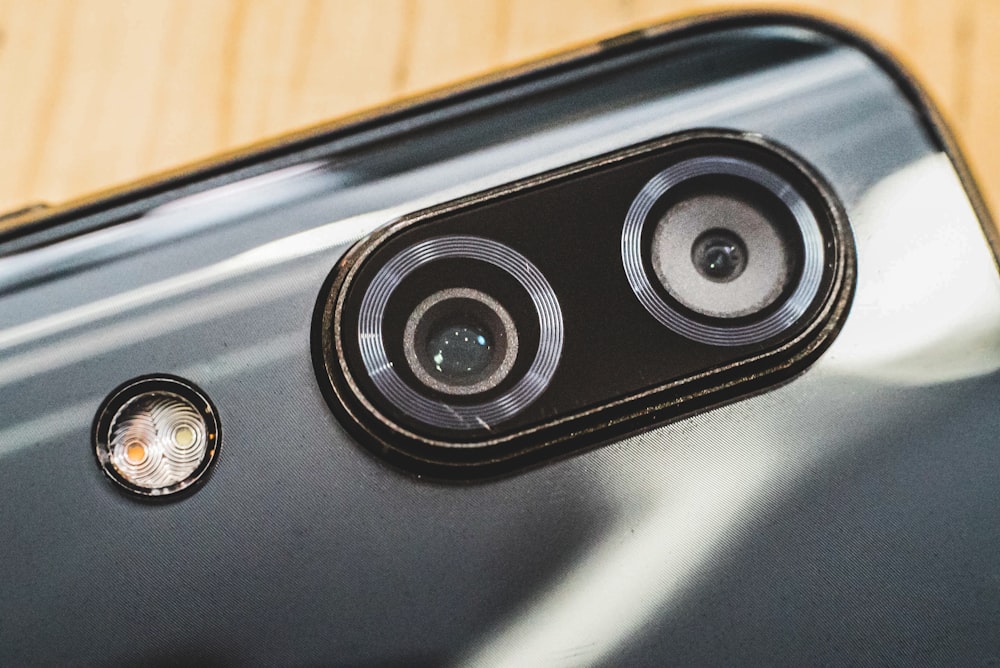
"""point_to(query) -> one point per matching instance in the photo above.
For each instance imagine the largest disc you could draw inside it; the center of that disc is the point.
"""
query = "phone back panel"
(847, 517)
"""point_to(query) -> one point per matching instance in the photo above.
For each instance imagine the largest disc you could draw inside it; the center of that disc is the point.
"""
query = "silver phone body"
(849, 517)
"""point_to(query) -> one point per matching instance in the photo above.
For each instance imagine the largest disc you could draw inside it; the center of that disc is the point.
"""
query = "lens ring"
(435, 412)
(779, 320)
(499, 370)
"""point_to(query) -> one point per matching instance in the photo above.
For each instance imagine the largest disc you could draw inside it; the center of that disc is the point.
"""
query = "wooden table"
(94, 93)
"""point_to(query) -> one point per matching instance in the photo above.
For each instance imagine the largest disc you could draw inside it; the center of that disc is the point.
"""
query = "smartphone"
(681, 349)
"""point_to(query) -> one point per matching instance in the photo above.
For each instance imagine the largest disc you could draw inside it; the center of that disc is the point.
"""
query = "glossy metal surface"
(850, 513)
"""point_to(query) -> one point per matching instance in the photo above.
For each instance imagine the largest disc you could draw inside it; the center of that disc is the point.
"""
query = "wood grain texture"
(94, 93)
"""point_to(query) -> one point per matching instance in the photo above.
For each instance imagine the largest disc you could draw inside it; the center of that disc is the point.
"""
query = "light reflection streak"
(238, 266)
(716, 104)
(76, 417)
(927, 308)
(182, 218)
(48, 426)
(568, 144)
(90, 343)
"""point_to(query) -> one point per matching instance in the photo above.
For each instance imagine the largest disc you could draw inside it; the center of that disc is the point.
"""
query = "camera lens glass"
(720, 251)
(460, 351)
(460, 341)
(719, 255)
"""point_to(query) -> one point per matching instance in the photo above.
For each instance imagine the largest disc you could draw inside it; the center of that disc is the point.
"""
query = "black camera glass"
(460, 341)
(723, 247)
(719, 255)
(468, 364)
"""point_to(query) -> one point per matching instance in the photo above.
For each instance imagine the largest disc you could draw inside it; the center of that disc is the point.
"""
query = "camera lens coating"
(720, 252)
(719, 255)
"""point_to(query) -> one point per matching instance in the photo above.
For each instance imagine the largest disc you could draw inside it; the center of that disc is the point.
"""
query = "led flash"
(156, 436)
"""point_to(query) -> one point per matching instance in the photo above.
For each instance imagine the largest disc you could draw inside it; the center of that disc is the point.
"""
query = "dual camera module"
(583, 304)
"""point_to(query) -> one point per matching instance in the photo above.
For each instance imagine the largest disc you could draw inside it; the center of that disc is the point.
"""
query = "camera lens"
(722, 250)
(460, 341)
(719, 255)
(460, 352)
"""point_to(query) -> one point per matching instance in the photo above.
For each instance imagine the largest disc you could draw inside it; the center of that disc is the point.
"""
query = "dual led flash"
(156, 436)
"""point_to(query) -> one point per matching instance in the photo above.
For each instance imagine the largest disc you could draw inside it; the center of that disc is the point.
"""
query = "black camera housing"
(618, 369)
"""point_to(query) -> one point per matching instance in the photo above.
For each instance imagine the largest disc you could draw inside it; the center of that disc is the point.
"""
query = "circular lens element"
(460, 341)
(719, 255)
(156, 436)
(730, 240)
(460, 352)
